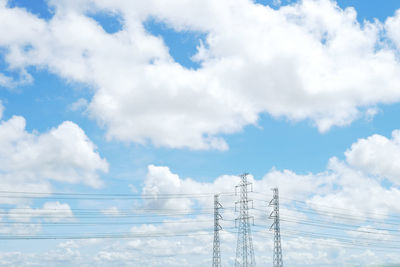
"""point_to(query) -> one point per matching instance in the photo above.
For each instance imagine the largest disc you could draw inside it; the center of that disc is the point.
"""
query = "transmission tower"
(217, 228)
(244, 248)
(277, 258)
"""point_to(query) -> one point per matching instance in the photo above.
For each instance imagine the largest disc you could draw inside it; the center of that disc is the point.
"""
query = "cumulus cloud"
(345, 187)
(392, 25)
(332, 188)
(317, 198)
(357, 193)
(377, 155)
(160, 181)
(310, 60)
(29, 161)
(342, 188)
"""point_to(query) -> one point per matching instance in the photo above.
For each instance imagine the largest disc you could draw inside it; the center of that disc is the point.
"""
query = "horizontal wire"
(327, 216)
(350, 245)
(342, 224)
(100, 214)
(96, 215)
(105, 210)
(108, 198)
(114, 194)
(108, 209)
(105, 236)
(102, 223)
(341, 228)
(346, 242)
(344, 215)
(337, 208)
(352, 239)
(328, 207)
(329, 225)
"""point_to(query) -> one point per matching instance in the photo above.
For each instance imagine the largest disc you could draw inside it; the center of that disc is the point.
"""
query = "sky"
(106, 107)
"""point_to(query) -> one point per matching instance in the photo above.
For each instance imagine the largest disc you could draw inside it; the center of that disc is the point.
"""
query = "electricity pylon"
(244, 248)
(277, 258)
(217, 228)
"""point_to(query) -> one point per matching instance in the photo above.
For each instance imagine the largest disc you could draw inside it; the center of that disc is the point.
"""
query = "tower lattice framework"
(277, 257)
(217, 227)
(244, 248)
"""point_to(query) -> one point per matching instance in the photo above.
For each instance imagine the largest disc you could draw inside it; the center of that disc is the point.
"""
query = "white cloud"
(5, 81)
(310, 60)
(9, 82)
(20, 229)
(29, 161)
(80, 104)
(344, 188)
(160, 181)
(355, 193)
(51, 212)
(344, 185)
(392, 25)
(377, 155)
(294, 185)
(334, 187)
(341, 186)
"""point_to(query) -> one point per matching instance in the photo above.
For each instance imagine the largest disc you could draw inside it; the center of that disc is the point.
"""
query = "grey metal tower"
(277, 259)
(244, 248)
(217, 228)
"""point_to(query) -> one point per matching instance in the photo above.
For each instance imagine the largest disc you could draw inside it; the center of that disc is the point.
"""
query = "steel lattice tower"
(244, 248)
(217, 228)
(277, 258)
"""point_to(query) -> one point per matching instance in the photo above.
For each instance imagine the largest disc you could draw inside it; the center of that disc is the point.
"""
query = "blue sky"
(135, 82)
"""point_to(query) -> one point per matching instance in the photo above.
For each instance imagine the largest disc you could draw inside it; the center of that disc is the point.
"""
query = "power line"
(345, 216)
(341, 237)
(307, 204)
(99, 215)
(341, 228)
(102, 236)
(105, 196)
(350, 225)
(114, 194)
(102, 223)
(316, 219)
(338, 243)
(342, 209)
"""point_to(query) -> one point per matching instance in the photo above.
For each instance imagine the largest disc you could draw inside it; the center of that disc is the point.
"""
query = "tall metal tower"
(217, 228)
(277, 259)
(244, 248)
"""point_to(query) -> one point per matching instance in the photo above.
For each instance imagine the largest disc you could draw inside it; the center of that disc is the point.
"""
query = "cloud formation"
(392, 25)
(29, 161)
(377, 155)
(343, 188)
(310, 60)
(51, 212)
